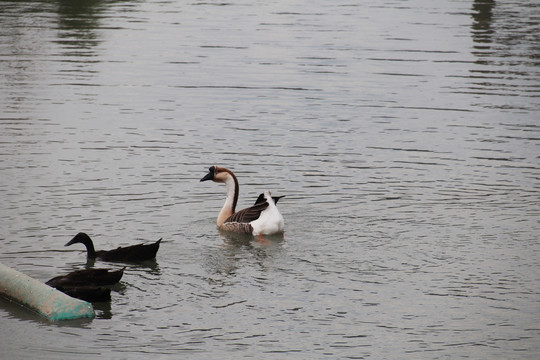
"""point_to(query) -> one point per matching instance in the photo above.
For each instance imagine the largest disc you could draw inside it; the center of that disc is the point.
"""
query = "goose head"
(217, 174)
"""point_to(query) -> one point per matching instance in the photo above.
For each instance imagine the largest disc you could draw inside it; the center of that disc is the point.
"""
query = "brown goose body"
(133, 253)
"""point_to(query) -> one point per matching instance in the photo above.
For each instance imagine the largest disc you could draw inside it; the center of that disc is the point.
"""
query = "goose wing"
(249, 214)
(261, 199)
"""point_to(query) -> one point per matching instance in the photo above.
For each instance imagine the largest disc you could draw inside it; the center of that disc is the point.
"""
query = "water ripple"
(403, 137)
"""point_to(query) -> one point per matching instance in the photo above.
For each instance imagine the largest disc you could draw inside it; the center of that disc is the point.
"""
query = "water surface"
(404, 135)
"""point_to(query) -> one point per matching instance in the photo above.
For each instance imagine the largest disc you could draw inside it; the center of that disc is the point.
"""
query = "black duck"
(133, 253)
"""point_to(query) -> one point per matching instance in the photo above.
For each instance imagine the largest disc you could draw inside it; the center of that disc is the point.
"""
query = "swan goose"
(263, 218)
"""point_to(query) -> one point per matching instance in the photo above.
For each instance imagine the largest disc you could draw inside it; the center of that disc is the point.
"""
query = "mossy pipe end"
(47, 301)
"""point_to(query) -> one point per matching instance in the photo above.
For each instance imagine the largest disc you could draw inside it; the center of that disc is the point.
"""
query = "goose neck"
(231, 200)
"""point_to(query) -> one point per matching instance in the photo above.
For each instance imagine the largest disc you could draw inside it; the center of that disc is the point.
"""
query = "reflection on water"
(505, 49)
(482, 15)
(231, 256)
(404, 138)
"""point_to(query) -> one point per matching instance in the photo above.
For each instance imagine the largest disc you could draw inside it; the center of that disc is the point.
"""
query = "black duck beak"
(210, 175)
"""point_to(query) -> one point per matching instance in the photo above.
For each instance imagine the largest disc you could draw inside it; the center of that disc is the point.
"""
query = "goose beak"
(209, 176)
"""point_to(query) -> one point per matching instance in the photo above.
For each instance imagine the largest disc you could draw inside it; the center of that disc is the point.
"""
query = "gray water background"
(404, 134)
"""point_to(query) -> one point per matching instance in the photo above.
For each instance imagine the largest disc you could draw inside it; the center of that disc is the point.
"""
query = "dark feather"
(88, 293)
(133, 253)
(249, 214)
(89, 277)
(261, 199)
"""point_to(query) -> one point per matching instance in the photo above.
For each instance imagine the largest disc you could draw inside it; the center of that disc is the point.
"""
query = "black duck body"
(88, 277)
(88, 293)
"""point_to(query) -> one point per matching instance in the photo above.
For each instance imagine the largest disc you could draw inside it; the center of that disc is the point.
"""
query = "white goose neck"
(229, 207)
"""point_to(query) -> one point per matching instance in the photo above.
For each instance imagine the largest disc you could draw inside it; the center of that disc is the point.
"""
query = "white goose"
(263, 218)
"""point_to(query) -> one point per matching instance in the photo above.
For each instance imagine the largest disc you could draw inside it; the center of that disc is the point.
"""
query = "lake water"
(404, 134)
